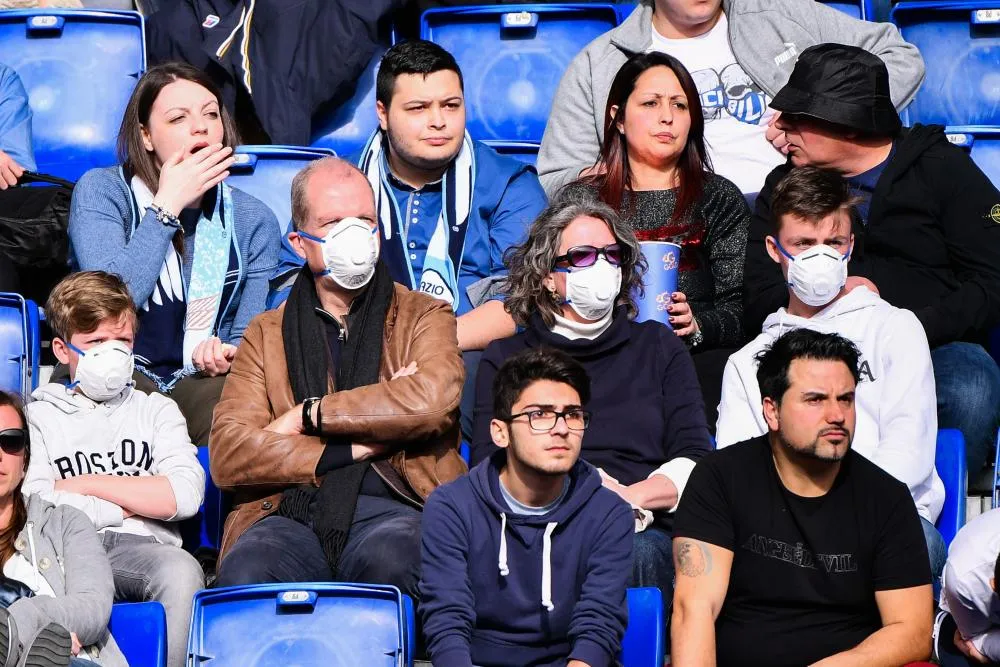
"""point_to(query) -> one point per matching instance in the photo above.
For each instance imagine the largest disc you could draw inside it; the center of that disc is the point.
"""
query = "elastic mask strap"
(75, 349)
(782, 250)
(311, 237)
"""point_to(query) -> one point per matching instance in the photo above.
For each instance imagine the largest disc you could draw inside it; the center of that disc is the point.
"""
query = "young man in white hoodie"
(120, 455)
(896, 401)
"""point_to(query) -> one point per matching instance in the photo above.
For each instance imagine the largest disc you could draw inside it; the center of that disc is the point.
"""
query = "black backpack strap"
(34, 177)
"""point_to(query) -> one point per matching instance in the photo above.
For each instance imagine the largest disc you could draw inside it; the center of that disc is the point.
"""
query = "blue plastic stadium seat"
(20, 344)
(512, 58)
(983, 144)
(525, 151)
(996, 475)
(79, 68)
(346, 128)
(140, 630)
(266, 172)
(961, 50)
(643, 645)
(951, 468)
(327, 624)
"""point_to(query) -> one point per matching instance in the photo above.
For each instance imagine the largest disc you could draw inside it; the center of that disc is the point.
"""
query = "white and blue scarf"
(443, 259)
(209, 271)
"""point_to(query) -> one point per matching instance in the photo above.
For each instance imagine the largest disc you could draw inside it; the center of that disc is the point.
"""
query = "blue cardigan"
(100, 231)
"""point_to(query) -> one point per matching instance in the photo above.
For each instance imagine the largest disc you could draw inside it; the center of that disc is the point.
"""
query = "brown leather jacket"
(417, 414)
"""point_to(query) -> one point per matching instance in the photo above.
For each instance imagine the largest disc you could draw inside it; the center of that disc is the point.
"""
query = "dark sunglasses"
(13, 440)
(582, 256)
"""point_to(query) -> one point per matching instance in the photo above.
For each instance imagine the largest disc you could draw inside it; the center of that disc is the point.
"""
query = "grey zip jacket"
(766, 37)
(62, 546)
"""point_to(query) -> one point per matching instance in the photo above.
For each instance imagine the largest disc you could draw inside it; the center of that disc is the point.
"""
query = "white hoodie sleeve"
(908, 405)
(176, 458)
(41, 479)
(740, 413)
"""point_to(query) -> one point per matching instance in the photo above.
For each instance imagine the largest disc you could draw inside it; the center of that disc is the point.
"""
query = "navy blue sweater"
(645, 397)
(482, 588)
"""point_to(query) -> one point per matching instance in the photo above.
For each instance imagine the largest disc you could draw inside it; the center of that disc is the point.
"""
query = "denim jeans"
(382, 548)
(937, 552)
(968, 398)
(653, 565)
(145, 571)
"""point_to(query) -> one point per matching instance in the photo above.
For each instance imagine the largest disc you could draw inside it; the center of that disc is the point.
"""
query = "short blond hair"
(81, 301)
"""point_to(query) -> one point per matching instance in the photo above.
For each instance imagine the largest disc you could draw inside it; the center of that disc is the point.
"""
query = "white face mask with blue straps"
(350, 252)
(103, 371)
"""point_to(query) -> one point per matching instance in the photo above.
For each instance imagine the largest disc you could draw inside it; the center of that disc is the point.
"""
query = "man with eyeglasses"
(525, 561)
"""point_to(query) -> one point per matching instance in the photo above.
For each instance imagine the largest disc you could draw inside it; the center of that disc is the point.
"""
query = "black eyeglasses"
(13, 440)
(582, 256)
(543, 419)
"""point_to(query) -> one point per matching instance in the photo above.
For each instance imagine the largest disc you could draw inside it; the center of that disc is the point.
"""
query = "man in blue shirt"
(449, 207)
(15, 129)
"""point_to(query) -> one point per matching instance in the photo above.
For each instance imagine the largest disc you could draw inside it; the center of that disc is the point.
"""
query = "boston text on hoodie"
(931, 245)
(895, 401)
(134, 434)
(505, 589)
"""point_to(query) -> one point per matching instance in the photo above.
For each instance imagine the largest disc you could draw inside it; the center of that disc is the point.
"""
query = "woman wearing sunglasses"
(56, 591)
(570, 287)
(654, 171)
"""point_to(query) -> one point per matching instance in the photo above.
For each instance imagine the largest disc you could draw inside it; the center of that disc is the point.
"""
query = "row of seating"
(79, 67)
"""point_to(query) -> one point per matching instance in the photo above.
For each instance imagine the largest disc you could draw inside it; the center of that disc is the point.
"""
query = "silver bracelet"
(165, 217)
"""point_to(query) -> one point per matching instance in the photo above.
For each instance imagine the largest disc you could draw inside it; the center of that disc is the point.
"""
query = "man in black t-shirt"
(791, 549)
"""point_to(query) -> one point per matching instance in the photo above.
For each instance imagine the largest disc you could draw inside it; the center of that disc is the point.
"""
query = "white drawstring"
(547, 566)
(31, 548)
(502, 558)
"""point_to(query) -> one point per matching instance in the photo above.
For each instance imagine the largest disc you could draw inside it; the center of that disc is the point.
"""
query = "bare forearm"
(151, 497)
(692, 638)
(895, 644)
(577, 663)
(656, 493)
(481, 326)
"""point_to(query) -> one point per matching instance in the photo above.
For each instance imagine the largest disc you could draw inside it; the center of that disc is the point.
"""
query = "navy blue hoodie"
(504, 589)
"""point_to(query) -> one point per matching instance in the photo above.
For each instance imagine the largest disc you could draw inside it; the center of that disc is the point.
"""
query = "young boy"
(121, 456)
(525, 560)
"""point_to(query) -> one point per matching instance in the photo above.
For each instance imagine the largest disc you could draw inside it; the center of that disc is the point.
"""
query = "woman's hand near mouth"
(185, 176)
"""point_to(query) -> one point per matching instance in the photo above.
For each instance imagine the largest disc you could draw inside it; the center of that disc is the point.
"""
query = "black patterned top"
(713, 240)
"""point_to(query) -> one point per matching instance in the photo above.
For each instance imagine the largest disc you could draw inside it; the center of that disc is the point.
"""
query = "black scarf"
(330, 509)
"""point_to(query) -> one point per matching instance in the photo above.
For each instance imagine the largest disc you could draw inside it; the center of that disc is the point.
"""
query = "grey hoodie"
(765, 35)
(62, 546)
(134, 433)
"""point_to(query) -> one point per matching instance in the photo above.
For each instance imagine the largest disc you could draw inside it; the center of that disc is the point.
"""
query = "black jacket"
(291, 56)
(931, 245)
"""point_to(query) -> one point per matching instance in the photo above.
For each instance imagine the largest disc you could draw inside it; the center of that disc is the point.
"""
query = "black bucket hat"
(841, 84)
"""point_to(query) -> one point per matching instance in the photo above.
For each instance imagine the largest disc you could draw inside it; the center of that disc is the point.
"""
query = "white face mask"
(816, 275)
(104, 370)
(350, 252)
(592, 291)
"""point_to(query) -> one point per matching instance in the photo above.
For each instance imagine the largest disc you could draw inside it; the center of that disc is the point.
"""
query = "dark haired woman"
(654, 170)
(57, 588)
(195, 253)
(570, 285)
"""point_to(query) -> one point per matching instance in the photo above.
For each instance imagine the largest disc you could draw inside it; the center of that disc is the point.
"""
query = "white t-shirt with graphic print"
(735, 108)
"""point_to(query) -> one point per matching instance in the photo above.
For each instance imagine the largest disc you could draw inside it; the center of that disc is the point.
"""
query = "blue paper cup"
(663, 259)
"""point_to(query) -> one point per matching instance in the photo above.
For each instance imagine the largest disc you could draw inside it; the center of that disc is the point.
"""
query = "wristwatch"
(165, 217)
(308, 427)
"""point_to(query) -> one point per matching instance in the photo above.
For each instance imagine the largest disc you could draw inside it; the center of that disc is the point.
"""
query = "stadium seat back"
(525, 151)
(951, 468)
(266, 172)
(20, 344)
(79, 68)
(983, 144)
(326, 624)
(961, 51)
(512, 58)
(643, 645)
(140, 630)
(345, 128)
